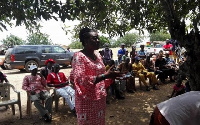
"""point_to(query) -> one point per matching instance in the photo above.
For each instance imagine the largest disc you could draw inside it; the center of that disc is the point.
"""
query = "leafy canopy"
(12, 40)
(114, 17)
(159, 36)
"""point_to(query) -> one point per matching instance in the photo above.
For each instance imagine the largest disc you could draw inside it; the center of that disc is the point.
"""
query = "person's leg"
(153, 79)
(166, 73)
(64, 93)
(48, 102)
(130, 85)
(113, 88)
(71, 92)
(108, 97)
(171, 74)
(38, 104)
(142, 78)
(119, 94)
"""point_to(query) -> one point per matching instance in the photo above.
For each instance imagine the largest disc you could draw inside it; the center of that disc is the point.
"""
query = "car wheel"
(29, 63)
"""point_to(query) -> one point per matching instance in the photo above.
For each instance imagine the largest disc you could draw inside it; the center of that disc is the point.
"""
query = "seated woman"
(178, 89)
(125, 67)
(148, 64)
(141, 72)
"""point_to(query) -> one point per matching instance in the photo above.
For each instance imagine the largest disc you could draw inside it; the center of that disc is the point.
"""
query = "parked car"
(155, 49)
(22, 56)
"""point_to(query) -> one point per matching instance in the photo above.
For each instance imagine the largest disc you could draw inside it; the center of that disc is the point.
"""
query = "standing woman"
(90, 80)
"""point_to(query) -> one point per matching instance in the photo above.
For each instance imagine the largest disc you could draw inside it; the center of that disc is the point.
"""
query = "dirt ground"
(135, 109)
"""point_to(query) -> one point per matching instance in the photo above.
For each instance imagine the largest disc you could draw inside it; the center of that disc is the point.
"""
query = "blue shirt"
(121, 52)
(141, 53)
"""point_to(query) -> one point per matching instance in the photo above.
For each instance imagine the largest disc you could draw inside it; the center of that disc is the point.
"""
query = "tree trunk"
(191, 42)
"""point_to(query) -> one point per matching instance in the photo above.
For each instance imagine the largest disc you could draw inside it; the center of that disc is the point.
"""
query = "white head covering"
(33, 67)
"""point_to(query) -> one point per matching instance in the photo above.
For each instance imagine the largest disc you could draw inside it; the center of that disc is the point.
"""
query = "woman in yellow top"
(142, 73)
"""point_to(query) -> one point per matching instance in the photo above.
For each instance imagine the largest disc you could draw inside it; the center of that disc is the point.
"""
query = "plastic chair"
(5, 97)
(29, 105)
(56, 99)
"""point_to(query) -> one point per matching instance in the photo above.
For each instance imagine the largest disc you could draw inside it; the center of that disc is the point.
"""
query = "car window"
(58, 49)
(27, 50)
(8, 52)
(46, 49)
(158, 46)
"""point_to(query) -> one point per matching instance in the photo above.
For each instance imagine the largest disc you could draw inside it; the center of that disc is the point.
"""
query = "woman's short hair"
(84, 33)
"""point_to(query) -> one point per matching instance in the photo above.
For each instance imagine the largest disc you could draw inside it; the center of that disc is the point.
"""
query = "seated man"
(141, 72)
(125, 68)
(162, 66)
(60, 82)
(35, 85)
(48, 68)
(148, 64)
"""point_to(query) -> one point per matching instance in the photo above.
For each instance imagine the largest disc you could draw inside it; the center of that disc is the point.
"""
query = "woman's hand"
(112, 74)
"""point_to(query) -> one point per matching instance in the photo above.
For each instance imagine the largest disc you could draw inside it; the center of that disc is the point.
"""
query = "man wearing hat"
(107, 54)
(35, 85)
(121, 52)
(48, 68)
(60, 82)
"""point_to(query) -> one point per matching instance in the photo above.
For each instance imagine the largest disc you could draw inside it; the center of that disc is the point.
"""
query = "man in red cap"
(48, 68)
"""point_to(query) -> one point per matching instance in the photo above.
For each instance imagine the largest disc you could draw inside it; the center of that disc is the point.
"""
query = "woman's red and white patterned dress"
(90, 99)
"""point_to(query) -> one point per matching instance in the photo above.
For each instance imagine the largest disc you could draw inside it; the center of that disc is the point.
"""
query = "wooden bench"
(5, 97)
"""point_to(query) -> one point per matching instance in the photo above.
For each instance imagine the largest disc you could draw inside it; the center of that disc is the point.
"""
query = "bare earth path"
(134, 110)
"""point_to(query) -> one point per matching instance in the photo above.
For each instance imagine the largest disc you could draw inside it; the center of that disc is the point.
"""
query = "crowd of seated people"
(142, 66)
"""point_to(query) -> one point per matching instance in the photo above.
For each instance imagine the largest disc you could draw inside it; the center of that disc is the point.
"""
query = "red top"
(168, 47)
(84, 73)
(178, 88)
(34, 83)
(54, 78)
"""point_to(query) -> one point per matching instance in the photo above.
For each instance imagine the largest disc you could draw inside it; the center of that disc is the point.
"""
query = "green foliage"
(129, 39)
(113, 17)
(12, 40)
(76, 45)
(159, 36)
(38, 39)
(103, 40)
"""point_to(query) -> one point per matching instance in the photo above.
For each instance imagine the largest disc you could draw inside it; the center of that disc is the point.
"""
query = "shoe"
(107, 102)
(47, 117)
(121, 98)
(155, 88)
(171, 80)
(130, 91)
(147, 89)
(74, 112)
